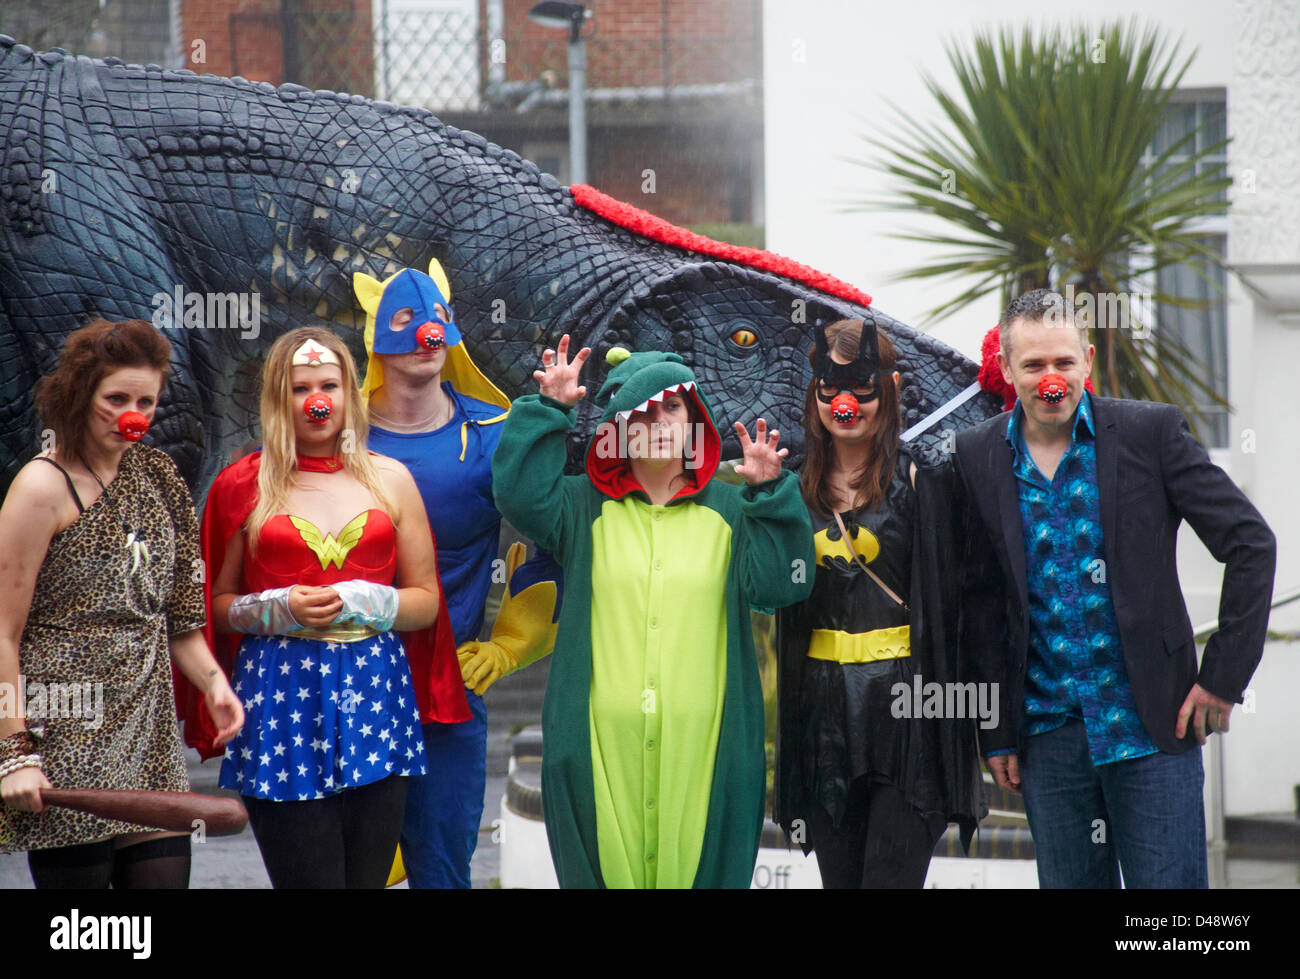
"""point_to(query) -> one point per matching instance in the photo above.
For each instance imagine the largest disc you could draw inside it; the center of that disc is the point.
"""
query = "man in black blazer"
(1073, 606)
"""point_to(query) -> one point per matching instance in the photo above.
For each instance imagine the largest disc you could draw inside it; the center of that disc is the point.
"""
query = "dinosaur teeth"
(656, 398)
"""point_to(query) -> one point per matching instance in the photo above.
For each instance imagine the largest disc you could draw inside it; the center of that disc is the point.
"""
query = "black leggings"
(344, 840)
(882, 842)
(156, 863)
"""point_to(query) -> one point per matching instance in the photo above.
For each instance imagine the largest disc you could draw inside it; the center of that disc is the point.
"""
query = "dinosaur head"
(745, 320)
(745, 337)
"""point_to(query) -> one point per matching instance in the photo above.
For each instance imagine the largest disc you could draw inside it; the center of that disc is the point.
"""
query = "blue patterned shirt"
(1075, 665)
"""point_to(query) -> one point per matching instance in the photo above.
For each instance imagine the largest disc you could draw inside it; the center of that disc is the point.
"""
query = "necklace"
(102, 487)
(423, 426)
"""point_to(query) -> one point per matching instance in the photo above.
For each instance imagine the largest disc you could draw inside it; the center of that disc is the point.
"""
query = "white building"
(832, 70)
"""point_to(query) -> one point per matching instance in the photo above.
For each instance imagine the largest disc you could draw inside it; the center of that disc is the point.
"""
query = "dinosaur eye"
(744, 338)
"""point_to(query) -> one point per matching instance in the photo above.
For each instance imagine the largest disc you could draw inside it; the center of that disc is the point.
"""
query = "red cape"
(435, 670)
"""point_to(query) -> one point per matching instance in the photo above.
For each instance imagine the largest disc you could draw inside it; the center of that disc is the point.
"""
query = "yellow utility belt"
(338, 632)
(863, 647)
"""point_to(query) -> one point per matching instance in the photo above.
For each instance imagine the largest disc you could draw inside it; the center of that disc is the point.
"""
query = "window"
(1203, 332)
(550, 157)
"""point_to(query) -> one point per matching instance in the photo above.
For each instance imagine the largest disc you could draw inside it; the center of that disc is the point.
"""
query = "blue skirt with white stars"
(321, 717)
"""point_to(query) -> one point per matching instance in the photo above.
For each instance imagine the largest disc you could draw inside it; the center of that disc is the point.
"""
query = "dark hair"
(1037, 305)
(873, 482)
(88, 356)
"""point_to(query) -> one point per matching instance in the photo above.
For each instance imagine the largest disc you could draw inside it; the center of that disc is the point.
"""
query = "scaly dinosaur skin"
(119, 183)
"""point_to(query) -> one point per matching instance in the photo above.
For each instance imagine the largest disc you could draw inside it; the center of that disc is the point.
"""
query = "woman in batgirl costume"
(869, 787)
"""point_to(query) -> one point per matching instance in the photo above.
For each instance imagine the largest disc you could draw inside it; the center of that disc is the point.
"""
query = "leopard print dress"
(114, 586)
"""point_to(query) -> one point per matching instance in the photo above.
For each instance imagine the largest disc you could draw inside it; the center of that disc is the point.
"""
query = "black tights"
(882, 842)
(156, 863)
(344, 840)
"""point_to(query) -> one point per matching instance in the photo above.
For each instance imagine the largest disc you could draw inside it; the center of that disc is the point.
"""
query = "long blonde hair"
(279, 464)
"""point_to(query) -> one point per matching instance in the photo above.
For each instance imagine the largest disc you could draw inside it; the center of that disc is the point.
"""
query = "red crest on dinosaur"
(649, 226)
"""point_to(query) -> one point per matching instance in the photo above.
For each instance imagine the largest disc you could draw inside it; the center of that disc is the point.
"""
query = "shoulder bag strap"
(863, 564)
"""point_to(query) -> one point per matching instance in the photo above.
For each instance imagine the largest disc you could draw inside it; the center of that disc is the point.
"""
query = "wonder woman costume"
(325, 709)
(299, 553)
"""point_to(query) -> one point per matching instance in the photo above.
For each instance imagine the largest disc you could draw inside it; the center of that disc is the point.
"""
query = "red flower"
(990, 375)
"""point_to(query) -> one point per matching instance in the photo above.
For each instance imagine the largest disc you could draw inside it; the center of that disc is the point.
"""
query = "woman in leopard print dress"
(104, 589)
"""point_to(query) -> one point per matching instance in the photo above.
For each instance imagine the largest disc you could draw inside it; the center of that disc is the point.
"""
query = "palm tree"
(1044, 168)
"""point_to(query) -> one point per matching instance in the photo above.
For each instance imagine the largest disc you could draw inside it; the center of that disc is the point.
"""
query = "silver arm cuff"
(263, 613)
(367, 603)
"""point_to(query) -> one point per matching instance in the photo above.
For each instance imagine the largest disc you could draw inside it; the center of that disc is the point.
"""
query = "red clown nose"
(1052, 388)
(430, 336)
(132, 425)
(318, 407)
(844, 408)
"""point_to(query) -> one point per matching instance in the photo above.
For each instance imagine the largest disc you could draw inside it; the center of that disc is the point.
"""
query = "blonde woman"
(318, 551)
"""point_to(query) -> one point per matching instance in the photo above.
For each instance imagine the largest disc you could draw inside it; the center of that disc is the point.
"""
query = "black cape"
(941, 771)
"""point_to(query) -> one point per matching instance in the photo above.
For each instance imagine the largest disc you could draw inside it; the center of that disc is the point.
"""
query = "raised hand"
(559, 378)
(762, 458)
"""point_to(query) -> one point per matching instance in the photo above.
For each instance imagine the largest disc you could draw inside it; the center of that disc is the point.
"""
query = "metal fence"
(321, 45)
(431, 53)
(428, 56)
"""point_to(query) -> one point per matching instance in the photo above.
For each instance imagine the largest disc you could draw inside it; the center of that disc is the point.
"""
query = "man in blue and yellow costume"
(431, 408)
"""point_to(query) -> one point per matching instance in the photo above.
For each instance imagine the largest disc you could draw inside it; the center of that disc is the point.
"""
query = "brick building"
(674, 96)
(674, 87)
(643, 44)
(318, 43)
(674, 103)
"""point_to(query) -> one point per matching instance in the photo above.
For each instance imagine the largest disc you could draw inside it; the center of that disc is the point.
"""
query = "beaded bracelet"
(17, 744)
(19, 763)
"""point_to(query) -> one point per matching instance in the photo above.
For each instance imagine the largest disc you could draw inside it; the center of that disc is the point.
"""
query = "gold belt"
(338, 632)
(863, 647)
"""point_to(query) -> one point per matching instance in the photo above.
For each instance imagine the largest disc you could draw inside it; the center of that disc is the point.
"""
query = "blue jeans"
(1146, 815)
(445, 807)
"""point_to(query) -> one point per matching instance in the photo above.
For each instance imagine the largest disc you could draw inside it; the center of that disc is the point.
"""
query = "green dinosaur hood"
(632, 384)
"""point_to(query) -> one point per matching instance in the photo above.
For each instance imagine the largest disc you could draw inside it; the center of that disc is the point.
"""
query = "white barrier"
(526, 862)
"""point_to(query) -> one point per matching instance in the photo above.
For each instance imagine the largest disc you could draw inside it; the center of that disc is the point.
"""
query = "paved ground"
(234, 862)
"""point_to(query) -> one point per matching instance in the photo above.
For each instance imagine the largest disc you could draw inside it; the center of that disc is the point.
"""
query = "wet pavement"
(513, 703)
(234, 861)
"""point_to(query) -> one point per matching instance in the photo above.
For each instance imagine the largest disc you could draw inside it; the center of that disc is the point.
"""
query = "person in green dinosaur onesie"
(653, 765)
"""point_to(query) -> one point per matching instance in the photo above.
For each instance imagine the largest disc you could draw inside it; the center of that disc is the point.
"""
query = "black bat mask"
(860, 376)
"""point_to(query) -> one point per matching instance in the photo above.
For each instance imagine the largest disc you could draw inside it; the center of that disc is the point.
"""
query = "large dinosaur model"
(138, 192)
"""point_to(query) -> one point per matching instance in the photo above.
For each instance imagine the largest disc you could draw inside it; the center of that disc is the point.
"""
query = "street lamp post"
(570, 17)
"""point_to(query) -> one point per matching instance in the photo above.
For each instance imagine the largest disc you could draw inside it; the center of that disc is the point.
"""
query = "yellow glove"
(522, 634)
(398, 873)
